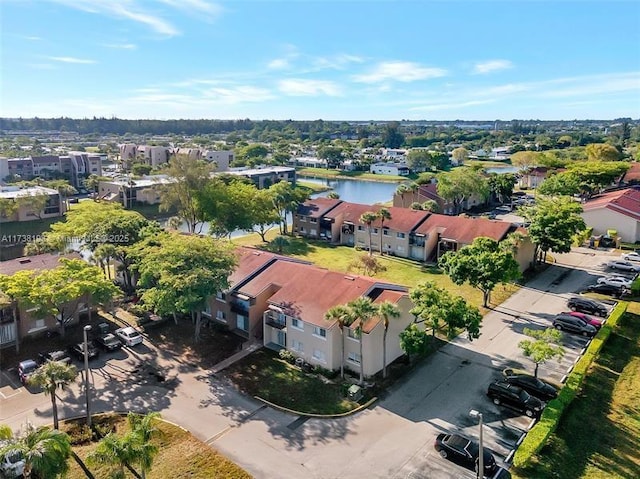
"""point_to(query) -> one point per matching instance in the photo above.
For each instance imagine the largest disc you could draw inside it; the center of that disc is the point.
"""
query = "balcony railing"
(240, 308)
(276, 323)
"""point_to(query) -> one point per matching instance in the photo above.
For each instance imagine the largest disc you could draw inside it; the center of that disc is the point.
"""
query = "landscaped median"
(537, 437)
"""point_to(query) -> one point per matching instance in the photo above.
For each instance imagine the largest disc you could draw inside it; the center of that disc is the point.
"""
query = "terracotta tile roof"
(317, 207)
(306, 291)
(625, 202)
(250, 260)
(34, 263)
(402, 219)
(633, 173)
(464, 230)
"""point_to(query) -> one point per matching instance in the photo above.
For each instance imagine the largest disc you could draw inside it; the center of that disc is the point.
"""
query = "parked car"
(595, 322)
(26, 369)
(60, 356)
(619, 281)
(510, 395)
(622, 265)
(465, 452)
(586, 305)
(129, 336)
(533, 385)
(77, 350)
(634, 256)
(566, 322)
(501, 473)
(615, 291)
(11, 463)
(108, 342)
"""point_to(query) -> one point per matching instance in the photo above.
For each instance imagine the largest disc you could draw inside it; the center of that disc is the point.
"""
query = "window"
(385, 232)
(400, 235)
(321, 332)
(38, 324)
(360, 228)
(242, 323)
(319, 356)
(302, 218)
(296, 323)
(351, 333)
(220, 316)
(375, 231)
(207, 311)
(313, 220)
(297, 346)
(354, 358)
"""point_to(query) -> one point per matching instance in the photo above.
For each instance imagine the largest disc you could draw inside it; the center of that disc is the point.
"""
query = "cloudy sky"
(329, 59)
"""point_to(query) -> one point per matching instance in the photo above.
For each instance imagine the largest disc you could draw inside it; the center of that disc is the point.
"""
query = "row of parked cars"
(105, 341)
(522, 392)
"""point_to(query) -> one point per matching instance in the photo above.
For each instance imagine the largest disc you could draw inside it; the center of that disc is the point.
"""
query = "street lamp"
(86, 329)
(475, 414)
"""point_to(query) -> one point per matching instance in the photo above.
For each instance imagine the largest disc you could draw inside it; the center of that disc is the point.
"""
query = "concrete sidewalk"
(251, 347)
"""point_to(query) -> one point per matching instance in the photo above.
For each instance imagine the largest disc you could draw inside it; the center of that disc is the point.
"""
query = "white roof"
(12, 192)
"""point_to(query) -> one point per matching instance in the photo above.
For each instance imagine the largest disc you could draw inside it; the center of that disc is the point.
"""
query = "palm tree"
(386, 311)
(343, 316)
(333, 195)
(102, 255)
(50, 377)
(362, 309)
(368, 218)
(114, 451)
(45, 451)
(384, 214)
(144, 427)
(402, 190)
(280, 242)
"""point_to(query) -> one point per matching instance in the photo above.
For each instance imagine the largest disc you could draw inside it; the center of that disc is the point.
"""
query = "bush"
(537, 437)
(287, 356)
(327, 373)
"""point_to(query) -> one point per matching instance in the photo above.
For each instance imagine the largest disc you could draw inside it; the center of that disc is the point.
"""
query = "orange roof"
(633, 173)
(38, 262)
(351, 212)
(625, 202)
(402, 219)
(464, 230)
(307, 292)
(318, 207)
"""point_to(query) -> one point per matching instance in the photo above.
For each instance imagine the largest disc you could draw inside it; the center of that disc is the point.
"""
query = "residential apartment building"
(26, 209)
(266, 176)
(19, 320)
(222, 158)
(74, 166)
(615, 210)
(387, 168)
(127, 191)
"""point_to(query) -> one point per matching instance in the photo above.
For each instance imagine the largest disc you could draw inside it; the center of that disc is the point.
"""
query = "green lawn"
(265, 375)
(400, 271)
(599, 436)
(181, 455)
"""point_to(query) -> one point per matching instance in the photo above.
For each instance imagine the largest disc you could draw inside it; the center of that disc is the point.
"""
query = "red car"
(596, 323)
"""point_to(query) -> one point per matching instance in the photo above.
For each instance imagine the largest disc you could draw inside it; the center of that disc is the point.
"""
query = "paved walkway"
(251, 347)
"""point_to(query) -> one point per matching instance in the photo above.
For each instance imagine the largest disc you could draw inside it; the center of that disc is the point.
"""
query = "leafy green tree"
(501, 185)
(386, 311)
(462, 315)
(431, 206)
(8, 207)
(263, 213)
(191, 176)
(341, 314)
(526, 160)
(544, 345)
(602, 152)
(179, 273)
(141, 169)
(45, 451)
(460, 184)
(594, 175)
(34, 203)
(332, 154)
(429, 303)
(460, 155)
(253, 154)
(483, 264)
(52, 376)
(174, 223)
(419, 160)
(553, 223)
(368, 219)
(413, 341)
(391, 137)
(561, 184)
(564, 141)
(286, 199)
(333, 195)
(362, 309)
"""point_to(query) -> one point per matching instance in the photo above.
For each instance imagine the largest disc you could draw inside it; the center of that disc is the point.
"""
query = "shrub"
(537, 437)
(287, 356)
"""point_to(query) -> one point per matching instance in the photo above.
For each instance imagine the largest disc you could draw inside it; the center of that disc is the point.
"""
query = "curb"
(319, 416)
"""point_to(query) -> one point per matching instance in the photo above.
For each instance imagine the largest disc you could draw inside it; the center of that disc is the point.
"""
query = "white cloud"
(33, 38)
(197, 7)
(337, 62)
(121, 46)
(278, 64)
(450, 106)
(399, 71)
(127, 9)
(291, 52)
(592, 85)
(72, 60)
(489, 66)
(238, 94)
(303, 87)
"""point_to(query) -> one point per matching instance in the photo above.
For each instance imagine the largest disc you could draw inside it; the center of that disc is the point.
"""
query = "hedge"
(537, 437)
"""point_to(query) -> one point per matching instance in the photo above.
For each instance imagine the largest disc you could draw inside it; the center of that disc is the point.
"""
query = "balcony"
(276, 323)
(239, 308)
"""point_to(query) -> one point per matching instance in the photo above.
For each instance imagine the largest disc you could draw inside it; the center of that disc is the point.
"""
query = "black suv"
(501, 392)
(572, 324)
(534, 386)
(589, 306)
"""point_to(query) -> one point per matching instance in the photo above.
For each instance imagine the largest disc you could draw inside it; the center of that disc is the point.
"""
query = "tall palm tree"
(115, 451)
(386, 311)
(368, 218)
(343, 316)
(45, 451)
(280, 242)
(52, 376)
(144, 427)
(362, 309)
(402, 190)
(384, 214)
(102, 255)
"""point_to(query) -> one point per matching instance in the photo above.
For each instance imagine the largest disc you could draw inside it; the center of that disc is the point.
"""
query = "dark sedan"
(464, 452)
(534, 386)
(77, 350)
(59, 356)
(108, 342)
(608, 289)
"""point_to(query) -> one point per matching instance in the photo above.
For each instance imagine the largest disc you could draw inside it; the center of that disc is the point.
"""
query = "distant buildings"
(155, 156)
(74, 167)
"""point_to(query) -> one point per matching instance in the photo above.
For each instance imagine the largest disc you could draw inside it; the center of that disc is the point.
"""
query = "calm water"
(503, 169)
(356, 191)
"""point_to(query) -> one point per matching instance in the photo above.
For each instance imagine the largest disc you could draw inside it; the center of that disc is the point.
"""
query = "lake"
(356, 191)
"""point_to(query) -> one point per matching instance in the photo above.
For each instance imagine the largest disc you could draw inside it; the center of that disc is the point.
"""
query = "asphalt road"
(392, 439)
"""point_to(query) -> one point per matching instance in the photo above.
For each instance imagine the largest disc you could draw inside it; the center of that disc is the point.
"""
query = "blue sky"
(335, 60)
